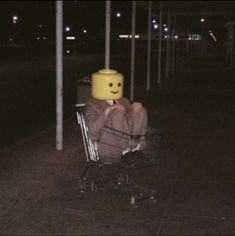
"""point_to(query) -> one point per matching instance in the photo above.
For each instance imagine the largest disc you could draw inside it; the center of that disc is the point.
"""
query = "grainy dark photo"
(117, 117)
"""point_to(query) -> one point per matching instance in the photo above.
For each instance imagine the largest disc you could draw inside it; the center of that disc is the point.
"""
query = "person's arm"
(95, 119)
(118, 106)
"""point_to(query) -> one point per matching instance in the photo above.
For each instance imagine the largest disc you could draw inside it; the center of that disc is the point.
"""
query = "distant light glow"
(164, 25)
(136, 36)
(15, 19)
(40, 26)
(118, 14)
(10, 39)
(70, 37)
(67, 51)
(84, 31)
(154, 21)
(123, 36)
(67, 28)
(202, 20)
(44, 38)
(212, 35)
(166, 29)
(126, 36)
(155, 26)
(194, 37)
(176, 37)
(38, 38)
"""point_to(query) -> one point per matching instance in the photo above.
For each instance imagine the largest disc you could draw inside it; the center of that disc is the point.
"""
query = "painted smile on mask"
(111, 85)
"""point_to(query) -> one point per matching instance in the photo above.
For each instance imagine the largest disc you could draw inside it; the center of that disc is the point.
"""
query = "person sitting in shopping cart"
(118, 126)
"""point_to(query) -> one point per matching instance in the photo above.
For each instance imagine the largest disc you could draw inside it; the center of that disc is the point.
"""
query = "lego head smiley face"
(107, 85)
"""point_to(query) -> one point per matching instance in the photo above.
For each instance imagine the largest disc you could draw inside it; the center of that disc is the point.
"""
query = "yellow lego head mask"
(107, 84)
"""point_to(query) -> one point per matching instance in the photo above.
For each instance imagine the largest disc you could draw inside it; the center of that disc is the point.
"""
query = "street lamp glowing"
(70, 37)
(84, 31)
(202, 20)
(15, 19)
(67, 28)
(155, 26)
(118, 14)
(154, 21)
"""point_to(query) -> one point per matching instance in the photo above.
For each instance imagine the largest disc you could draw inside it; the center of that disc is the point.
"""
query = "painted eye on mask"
(110, 84)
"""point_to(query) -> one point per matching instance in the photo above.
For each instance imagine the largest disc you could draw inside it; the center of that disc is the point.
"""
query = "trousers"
(122, 130)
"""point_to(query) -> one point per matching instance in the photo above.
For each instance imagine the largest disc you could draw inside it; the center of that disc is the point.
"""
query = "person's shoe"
(124, 152)
(127, 159)
(127, 155)
(138, 147)
(137, 154)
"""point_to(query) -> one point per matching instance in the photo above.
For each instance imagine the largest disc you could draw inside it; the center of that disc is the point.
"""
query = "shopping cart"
(116, 175)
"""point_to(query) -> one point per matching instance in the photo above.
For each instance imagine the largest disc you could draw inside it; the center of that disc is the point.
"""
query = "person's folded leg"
(137, 123)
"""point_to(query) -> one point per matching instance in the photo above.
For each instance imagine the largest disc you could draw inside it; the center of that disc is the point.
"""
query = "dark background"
(27, 65)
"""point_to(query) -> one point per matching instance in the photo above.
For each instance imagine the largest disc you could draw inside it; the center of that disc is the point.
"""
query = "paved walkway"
(194, 181)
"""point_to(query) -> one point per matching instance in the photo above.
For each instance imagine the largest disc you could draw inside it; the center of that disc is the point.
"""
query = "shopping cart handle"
(78, 106)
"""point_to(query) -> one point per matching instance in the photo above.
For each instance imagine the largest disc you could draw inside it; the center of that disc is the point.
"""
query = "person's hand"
(136, 106)
(117, 106)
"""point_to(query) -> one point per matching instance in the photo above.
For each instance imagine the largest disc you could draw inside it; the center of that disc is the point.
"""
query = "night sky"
(36, 19)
